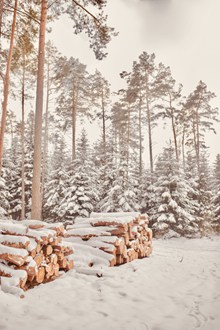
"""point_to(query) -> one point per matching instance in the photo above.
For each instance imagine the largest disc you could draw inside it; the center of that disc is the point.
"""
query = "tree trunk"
(36, 183)
(6, 84)
(74, 132)
(22, 147)
(174, 131)
(103, 126)
(183, 149)
(195, 144)
(1, 14)
(150, 137)
(129, 133)
(46, 132)
(198, 140)
(140, 138)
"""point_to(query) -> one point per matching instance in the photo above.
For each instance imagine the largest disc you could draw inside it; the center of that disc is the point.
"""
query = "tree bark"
(6, 84)
(174, 131)
(140, 138)
(183, 149)
(74, 131)
(22, 146)
(198, 140)
(150, 137)
(103, 125)
(46, 131)
(195, 144)
(1, 14)
(36, 183)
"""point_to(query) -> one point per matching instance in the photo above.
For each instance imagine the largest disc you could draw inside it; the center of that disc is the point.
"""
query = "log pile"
(31, 252)
(121, 237)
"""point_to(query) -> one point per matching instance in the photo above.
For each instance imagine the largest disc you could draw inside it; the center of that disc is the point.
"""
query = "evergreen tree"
(81, 194)
(72, 82)
(171, 213)
(15, 178)
(201, 117)
(55, 188)
(4, 195)
(215, 202)
(216, 173)
(120, 190)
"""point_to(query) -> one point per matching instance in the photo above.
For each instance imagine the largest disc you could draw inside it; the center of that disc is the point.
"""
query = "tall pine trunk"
(183, 149)
(103, 126)
(195, 142)
(198, 140)
(46, 132)
(74, 131)
(128, 134)
(174, 131)
(150, 137)
(140, 138)
(6, 84)
(1, 14)
(22, 145)
(36, 183)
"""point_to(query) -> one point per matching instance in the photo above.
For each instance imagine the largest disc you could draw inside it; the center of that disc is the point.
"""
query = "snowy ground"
(177, 288)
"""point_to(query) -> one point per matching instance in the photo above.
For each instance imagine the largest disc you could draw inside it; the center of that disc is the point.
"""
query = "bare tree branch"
(88, 12)
(11, 9)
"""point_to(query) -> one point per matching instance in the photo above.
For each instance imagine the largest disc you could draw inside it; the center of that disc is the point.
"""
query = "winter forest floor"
(177, 288)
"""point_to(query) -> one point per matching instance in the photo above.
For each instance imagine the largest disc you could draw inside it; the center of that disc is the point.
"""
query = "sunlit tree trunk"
(36, 183)
(6, 84)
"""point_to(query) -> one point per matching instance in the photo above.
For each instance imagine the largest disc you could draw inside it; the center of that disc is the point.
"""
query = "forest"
(52, 169)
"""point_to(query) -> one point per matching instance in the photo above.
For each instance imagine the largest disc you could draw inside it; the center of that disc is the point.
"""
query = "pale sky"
(183, 34)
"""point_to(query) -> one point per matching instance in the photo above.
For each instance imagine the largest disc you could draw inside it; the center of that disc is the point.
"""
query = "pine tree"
(216, 211)
(201, 117)
(55, 188)
(216, 173)
(171, 214)
(72, 81)
(215, 202)
(4, 195)
(120, 190)
(81, 194)
(15, 178)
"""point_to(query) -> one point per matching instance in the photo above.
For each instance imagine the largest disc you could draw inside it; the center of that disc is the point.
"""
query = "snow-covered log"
(32, 252)
(123, 235)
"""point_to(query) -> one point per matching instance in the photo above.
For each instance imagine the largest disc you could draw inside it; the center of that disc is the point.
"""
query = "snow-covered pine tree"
(171, 214)
(216, 212)
(14, 166)
(216, 196)
(28, 162)
(205, 195)
(57, 182)
(81, 194)
(146, 192)
(120, 190)
(216, 173)
(4, 196)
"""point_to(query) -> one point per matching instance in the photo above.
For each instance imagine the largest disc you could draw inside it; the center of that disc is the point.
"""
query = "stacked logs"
(123, 236)
(31, 252)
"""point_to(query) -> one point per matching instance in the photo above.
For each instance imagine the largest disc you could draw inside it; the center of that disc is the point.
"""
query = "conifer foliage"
(172, 211)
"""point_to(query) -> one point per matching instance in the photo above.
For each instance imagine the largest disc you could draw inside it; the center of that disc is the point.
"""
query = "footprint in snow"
(102, 313)
(123, 294)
